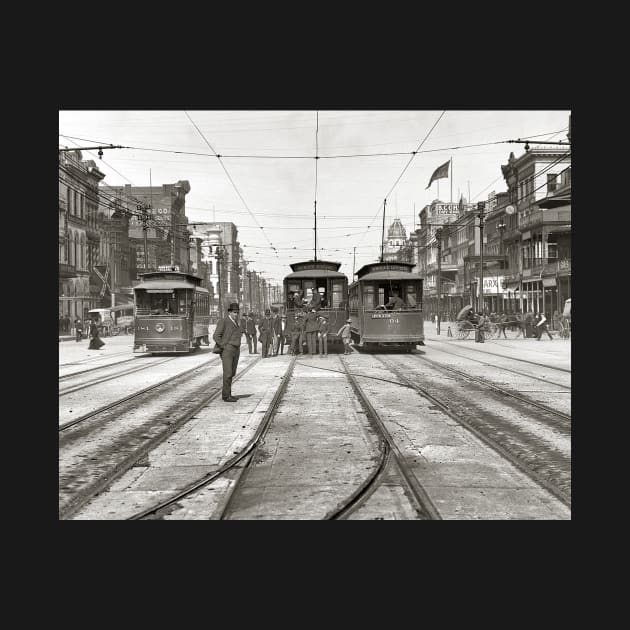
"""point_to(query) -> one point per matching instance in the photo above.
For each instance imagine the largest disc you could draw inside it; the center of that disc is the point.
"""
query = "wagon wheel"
(464, 330)
(492, 330)
(512, 330)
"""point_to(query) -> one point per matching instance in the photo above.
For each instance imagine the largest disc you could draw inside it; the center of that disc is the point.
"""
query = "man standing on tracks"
(311, 329)
(323, 337)
(227, 336)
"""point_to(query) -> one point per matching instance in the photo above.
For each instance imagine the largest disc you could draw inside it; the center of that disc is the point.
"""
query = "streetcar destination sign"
(381, 315)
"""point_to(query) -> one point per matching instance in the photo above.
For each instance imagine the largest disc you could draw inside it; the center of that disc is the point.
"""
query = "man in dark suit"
(250, 333)
(227, 335)
(266, 333)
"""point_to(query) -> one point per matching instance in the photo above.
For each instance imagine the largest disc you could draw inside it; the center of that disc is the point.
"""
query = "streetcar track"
(505, 452)
(65, 377)
(425, 507)
(81, 498)
(502, 390)
(98, 381)
(98, 358)
(503, 356)
(108, 406)
(500, 367)
(247, 452)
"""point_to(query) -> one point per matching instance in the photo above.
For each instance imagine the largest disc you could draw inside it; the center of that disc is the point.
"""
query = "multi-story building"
(116, 268)
(395, 241)
(78, 234)
(537, 235)
(166, 223)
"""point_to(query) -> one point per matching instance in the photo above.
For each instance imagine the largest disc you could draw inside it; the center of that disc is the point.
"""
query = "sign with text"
(491, 285)
(445, 208)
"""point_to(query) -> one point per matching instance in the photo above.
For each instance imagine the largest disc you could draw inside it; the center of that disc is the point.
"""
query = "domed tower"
(396, 239)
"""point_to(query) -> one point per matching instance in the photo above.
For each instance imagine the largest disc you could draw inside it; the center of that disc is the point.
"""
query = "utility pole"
(383, 231)
(354, 258)
(144, 231)
(501, 227)
(219, 274)
(249, 286)
(481, 205)
(438, 236)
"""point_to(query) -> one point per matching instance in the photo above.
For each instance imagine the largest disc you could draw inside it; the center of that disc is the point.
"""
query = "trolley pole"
(438, 236)
(481, 205)
(249, 286)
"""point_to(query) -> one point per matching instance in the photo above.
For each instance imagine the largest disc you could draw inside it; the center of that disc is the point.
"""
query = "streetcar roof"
(389, 275)
(315, 273)
(168, 284)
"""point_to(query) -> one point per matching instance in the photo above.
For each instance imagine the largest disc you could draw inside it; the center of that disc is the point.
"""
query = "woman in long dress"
(95, 341)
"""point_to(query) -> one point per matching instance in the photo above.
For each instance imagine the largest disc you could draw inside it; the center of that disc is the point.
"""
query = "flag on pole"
(440, 172)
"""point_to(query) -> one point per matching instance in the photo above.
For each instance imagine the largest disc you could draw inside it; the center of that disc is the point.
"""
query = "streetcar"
(123, 318)
(385, 306)
(172, 312)
(324, 277)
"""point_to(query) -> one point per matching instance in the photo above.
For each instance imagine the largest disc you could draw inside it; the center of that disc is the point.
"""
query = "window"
(368, 296)
(552, 182)
(337, 294)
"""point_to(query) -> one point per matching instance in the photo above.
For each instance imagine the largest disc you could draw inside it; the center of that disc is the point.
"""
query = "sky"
(271, 200)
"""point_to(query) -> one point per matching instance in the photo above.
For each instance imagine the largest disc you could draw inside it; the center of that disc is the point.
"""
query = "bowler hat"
(233, 307)
(348, 321)
(267, 312)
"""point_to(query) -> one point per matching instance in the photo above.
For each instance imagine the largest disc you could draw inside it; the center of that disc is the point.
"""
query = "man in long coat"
(311, 329)
(265, 329)
(250, 333)
(227, 336)
(277, 330)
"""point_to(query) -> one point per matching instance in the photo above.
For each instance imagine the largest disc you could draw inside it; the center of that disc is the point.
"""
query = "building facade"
(79, 237)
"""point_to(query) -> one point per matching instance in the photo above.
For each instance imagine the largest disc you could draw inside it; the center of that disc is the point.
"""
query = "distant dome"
(396, 230)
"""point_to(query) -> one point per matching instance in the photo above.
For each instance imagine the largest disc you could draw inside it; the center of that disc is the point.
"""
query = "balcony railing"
(530, 263)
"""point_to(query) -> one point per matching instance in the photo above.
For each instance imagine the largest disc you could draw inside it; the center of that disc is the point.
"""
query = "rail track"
(65, 377)
(424, 507)
(498, 388)
(109, 406)
(80, 498)
(504, 356)
(104, 379)
(518, 460)
(503, 368)
(246, 454)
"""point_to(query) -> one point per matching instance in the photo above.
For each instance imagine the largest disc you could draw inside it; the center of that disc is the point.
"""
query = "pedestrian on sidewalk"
(95, 341)
(479, 333)
(227, 336)
(344, 333)
(78, 329)
(541, 326)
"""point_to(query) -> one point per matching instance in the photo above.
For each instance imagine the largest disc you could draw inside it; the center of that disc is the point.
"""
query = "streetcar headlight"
(159, 327)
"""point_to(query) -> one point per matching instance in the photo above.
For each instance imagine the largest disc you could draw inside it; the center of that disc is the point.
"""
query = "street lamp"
(501, 227)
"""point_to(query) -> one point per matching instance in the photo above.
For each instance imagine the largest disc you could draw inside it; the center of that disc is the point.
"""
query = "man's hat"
(267, 312)
(233, 307)
(348, 321)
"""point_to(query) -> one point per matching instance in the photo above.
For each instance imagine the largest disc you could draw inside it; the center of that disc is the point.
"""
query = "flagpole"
(451, 179)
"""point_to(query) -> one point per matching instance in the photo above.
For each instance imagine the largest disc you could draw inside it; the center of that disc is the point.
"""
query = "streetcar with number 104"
(385, 306)
(172, 312)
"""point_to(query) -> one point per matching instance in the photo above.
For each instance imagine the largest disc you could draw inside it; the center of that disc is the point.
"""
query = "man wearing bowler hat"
(227, 336)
